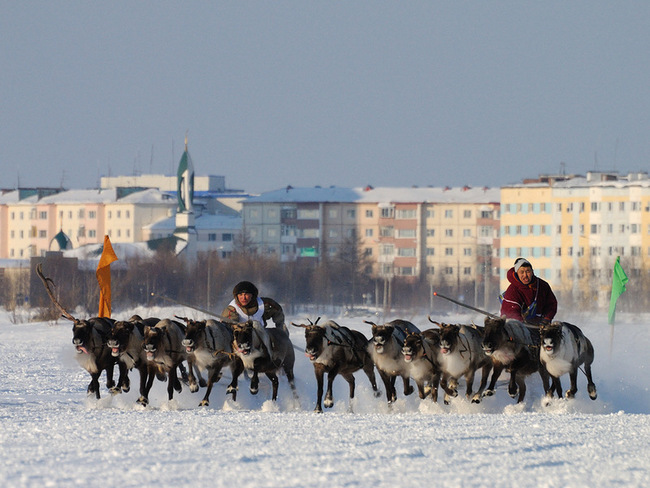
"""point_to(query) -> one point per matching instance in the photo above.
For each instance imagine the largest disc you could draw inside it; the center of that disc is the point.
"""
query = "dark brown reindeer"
(336, 350)
(514, 347)
(127, 345)
(165, 353)
(563, 349)
(208, 344)
(263, 350)
(89, 337)
(422, 354)
(461, 354)
(385, 349)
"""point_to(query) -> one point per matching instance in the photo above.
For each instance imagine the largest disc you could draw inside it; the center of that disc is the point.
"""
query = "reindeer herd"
(435, 358)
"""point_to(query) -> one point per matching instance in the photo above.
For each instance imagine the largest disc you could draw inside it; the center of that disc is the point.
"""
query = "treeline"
(337, 284)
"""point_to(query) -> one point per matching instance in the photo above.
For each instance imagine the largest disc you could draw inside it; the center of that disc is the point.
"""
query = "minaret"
(185, 228)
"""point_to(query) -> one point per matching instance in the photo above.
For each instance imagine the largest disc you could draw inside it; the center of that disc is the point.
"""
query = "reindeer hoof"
(253, 390)
(194, 387)
(231, 390)
(488, 393)
(328, 403)
(114, 391)
(318, 409)
(143, 401)
(569, 394)
(126, 388)
(377, 393)
(409, 390)
(513, 392)
(204, 403)
(476, 398)
(592, 392)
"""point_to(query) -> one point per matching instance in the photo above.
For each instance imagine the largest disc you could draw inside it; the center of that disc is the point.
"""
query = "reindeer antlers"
(304, 326)
(46, 282)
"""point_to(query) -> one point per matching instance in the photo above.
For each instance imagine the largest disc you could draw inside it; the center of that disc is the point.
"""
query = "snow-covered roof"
(380, 195)
(203, 222)
(150, 195)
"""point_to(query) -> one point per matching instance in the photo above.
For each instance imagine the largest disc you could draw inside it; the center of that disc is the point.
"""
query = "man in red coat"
(528, 298)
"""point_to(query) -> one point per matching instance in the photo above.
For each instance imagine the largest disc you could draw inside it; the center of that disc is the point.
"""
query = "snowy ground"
(53, 435)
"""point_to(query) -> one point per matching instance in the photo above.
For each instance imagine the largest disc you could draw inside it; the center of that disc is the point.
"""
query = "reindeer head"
(412, 346)
(243, 337)
(550, 337)
(448, 337)
(494, 334)
(315, 340)
(120, 336)
(153, 341)
(194, 334)
(381, 335)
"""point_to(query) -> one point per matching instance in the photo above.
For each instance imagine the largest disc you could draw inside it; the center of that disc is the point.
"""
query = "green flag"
(618, 287)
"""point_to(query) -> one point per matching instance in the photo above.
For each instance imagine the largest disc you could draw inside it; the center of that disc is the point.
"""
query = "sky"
(308, 93)
(53, 435)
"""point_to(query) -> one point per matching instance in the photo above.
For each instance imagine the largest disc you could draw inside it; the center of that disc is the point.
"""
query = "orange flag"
(104, 278)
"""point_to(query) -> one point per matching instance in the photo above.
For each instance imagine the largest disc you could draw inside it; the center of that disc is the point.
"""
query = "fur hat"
(244, 287)
(519, 262)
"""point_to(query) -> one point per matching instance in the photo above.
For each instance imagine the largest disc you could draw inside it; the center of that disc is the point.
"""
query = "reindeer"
(385, 350)
(127, 345)
(89, 337)
(164, 351)
(422, 354)
(208, 343)
(461, 354)
(563, 349)
(513, 346)
(263, 350)
(335, 349)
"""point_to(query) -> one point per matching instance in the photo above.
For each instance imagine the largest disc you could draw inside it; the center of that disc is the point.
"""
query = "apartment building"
(573, 227)
(85, 216)
(448, 235)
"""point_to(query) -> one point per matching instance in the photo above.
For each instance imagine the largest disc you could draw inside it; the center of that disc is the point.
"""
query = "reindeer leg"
(151, 375)
(173, 381)
(435, 383)
(329, 398)
(485, 373)
(408, 389)
(274, 382)
(573, 376)
(521, 383)
(236, 368)
(191, 379)
(93, 386)
(255, 383)
(110, 382)
(214, 377)
(497, 369)
(319, 372)
(123, 382)
(369, 369)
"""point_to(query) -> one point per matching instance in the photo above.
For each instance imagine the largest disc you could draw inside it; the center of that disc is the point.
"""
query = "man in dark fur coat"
(528, 298)
(247, 305)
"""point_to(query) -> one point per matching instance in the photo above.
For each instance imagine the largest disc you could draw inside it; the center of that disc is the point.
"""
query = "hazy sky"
(308, 93)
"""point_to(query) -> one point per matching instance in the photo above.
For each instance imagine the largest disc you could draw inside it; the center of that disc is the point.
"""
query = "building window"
(467, 232)
(212, 237)
(431, 251)
(119, 214)
(333, 213)
(288, 230)
(406, 271)
(467, 251)
(351, 213)
(408, 252)
(386, 250)
(449, 270)
(431, 270)
(467, 270)
(449, 251)
(333, 233)
(406, 214)
(288, 213)
(369, 214)
(449, 214)
(449, 232)
(387, 212)
(227, 237)
(92, 214)
(369, 232)
(42, 233)
(42, 215)
(467, 214)
(307, 213)
(406, 233)
(386, 231)
(432, 232)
